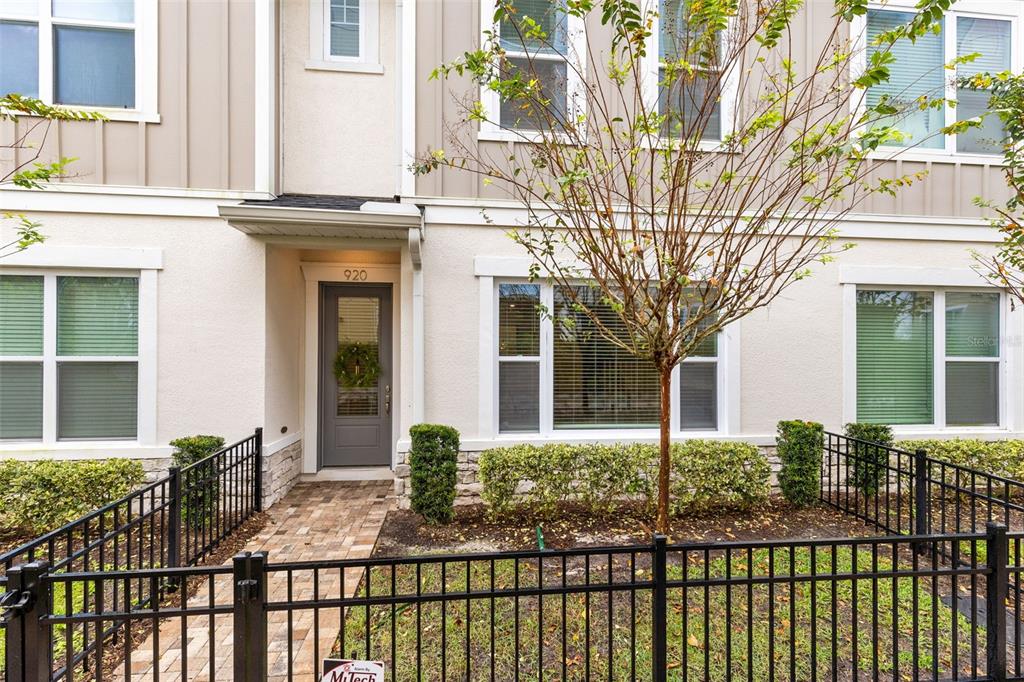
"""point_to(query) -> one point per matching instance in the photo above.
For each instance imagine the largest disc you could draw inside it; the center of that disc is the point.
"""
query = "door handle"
(387, 400)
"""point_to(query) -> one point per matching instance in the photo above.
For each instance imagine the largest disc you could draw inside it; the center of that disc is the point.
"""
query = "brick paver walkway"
(315, 521)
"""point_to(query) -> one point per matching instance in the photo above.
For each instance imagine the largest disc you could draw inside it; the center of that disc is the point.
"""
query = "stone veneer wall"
(281, 471)
(468, 486)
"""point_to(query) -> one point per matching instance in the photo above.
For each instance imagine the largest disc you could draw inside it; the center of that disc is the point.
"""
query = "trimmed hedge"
(599, 476)
(999, 457)
(433, 463)
(800, 446)
(544, 476)
(869, 463)
(37, 497)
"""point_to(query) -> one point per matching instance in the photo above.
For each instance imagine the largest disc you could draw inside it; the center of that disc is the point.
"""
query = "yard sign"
(343, 670)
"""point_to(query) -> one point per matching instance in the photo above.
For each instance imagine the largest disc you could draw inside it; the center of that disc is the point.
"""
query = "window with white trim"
(918, 71)
(915, 367)
(565, 377)
(555, 60)
(97, 55)
(686, 99)
(344, 35)
(69, 357)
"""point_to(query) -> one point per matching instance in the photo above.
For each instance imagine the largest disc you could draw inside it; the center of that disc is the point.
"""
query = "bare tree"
(631, 204)
(1006, 101)
(24, 149)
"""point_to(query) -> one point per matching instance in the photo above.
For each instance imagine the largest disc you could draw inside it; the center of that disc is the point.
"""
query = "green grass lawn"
(764, 630)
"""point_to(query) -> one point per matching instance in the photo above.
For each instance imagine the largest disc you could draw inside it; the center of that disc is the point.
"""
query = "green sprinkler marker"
(540, 539)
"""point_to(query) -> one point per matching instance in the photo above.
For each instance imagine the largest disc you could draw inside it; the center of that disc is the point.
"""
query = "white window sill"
(936, 433)
(344, 67)
(935, 156)
(68, 450)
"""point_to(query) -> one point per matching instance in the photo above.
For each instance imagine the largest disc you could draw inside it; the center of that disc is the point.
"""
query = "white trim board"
(911, 276)
(91, 450)
(46, 256)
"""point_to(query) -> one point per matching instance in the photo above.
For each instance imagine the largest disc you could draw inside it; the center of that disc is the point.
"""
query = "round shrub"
(800, 445)
(200, 484)
(433, 463)
(869, 463)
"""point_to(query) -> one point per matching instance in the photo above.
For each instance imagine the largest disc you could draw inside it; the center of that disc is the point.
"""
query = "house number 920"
(355, 275)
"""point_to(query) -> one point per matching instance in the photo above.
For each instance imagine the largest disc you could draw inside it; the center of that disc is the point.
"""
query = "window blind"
(549, 15)
(895, 357)
(990, 38)
(345, 28)
(972, 324)
(917, 71)
(972, 393)
(518, 319)
(698, 396)
(97, 400)
(552, 75)
(518, 338)
(597, 384)
(97, 315)
(21, 315)
(21, 400)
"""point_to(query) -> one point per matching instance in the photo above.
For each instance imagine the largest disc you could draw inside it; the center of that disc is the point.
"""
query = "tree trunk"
(665, 462)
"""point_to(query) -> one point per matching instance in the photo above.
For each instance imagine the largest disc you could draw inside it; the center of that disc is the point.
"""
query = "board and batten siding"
(204, 139)
(448, 28)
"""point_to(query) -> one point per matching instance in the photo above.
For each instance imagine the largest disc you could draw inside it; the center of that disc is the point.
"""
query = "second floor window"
(70, 52)
(690, 96)
(543, 57)
(918, 72)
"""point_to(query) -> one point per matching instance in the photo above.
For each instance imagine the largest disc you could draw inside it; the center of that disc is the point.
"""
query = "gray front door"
(355, 375)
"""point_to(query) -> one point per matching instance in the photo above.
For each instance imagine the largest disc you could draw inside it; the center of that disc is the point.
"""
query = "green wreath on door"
(356, 366)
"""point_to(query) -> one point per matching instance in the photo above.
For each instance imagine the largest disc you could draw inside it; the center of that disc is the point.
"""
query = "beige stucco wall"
(338, 134)
(285, 292)
(205, 137)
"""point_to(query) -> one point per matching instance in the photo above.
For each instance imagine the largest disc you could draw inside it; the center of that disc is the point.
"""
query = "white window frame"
(145, 358)
(146, 58)
(727, 98)
(727, 374)
(1004, 10)
(574, 87)
(939, 357)
(320, 57)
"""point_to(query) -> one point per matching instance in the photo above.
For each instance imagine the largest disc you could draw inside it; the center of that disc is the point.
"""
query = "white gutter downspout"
(418, 335)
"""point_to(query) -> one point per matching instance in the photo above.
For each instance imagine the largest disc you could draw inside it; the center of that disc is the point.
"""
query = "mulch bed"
(404, 532)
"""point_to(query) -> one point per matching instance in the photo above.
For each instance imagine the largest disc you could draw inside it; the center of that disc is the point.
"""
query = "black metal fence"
(858, 608)
(177, 520)
(936, 598)
(909, 492)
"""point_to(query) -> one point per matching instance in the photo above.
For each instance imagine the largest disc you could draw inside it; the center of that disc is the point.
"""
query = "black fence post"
(996, 585)
(250, 622)
(258, 486)
(659, 610)
(28, 641)
(922, 500)
(174, 523)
